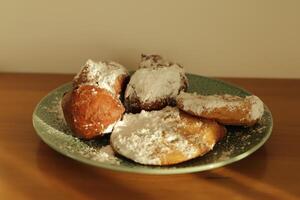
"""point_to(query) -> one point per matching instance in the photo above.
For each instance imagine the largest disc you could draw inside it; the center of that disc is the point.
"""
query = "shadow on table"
(77, 178)
(245, 178)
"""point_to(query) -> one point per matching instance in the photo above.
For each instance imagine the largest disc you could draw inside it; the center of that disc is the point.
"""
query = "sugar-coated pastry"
(226, 109)
(154, 85)
(108, 75)
(164, 137)
(91, 111)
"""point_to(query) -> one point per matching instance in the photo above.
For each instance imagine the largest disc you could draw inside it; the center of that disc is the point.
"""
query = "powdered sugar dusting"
(156, 79)
(257, 107)
(72, 145)
(200, 104)
(56, 110)
(155, 61)
(88, 149)
(150, 136)
(102, 74)
(225, 155)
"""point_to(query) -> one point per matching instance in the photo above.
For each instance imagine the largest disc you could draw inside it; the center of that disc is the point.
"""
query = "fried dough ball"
(154, 85)
(165, 137)
(91, 111)
(226, 109)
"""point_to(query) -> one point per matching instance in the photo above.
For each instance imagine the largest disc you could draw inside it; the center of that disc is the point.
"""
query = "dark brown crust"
(158, 60)
(89, 110)
(134, 105)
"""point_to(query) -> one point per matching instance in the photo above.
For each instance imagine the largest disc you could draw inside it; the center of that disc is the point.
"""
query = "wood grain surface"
(29, 169)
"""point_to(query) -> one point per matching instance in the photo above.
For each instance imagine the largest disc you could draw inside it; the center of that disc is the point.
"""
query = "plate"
(239, 143)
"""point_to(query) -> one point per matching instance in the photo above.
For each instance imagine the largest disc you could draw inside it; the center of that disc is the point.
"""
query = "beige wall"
(250, 38)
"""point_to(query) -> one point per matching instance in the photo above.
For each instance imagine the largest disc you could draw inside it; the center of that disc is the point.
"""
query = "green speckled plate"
(239, 143)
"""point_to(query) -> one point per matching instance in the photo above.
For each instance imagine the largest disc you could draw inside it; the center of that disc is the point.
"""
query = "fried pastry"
(91, 111)
(108, 75)
(154, 85)
(226, 109)
(164, 137)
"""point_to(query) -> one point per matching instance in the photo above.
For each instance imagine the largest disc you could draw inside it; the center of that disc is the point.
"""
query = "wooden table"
(29, 169)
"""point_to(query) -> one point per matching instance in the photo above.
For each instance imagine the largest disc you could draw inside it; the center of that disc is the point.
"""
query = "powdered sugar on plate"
(56, 110)
(92, 149)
